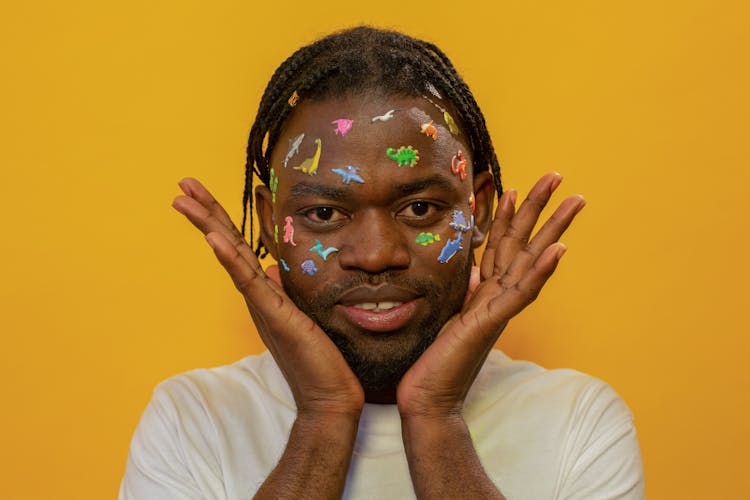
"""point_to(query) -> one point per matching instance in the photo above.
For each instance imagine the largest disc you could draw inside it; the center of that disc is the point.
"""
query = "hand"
(513, 270)
(319, 377)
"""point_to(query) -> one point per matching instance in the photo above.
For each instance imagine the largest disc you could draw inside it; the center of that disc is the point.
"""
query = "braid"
(360, 59)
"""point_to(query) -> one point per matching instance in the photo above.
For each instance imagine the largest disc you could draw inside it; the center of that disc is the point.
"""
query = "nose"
(374, 243)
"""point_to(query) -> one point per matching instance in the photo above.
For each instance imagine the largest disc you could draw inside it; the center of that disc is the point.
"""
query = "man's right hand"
(322, 383)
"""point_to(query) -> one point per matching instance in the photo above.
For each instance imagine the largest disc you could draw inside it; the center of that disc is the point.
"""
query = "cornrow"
(355, 61)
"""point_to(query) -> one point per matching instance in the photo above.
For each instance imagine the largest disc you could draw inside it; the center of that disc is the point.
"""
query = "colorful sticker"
(293, 99)
(294, 145)
(343, 126)
(289, 231)
(349, 175)
(450, 122)
(273, 183)
(425, 239)
(472, 203)
(451, 248)
(318, 247)
(383, 118)
(432, 90)
(309, 267)
(459, 221)
(405, 155)
(284, 265)
(310, 165)
(276, 233)
(429, 130)
(458, 165)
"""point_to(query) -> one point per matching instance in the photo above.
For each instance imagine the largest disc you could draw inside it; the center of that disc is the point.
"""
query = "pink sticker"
(343, 126)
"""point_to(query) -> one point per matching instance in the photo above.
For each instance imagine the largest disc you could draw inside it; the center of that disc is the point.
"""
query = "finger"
(522, 293)
(517, 235)
(474, 281)
(194, 189)
(273, 273)
(550, 232)
(506, 208)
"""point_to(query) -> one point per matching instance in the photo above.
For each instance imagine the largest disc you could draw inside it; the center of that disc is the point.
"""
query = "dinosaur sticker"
(309, 267)
(383, 118)
(284, 265)
(425, 239)
(310, 165)
(459, 222)
(458, 165)
(349, 175)
(289, 231)
(429, 130)
(472, 203)
(318, 247)
(405, 155)
(343, 126)
(293, 99)
(273, 183)
(451, 248)
(276, 233)
(294, 145)
(450, 122)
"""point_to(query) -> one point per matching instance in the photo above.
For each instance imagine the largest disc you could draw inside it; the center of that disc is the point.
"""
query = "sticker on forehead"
(310, 165)
(472, 203)
(343, 126)
(451, 248)
(273, 183)
(289, 231)
(458, 165)
(429, 130)
(450, 122)
(318, 247)
(405, 155)
(293, 148)
(384, 117)
(459, 221)
(425, 239)
(350, 174)
(293, 99)
(432, 90)
(309, 267)
(284, 265)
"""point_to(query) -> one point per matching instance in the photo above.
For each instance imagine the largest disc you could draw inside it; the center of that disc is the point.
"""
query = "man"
(380, 380)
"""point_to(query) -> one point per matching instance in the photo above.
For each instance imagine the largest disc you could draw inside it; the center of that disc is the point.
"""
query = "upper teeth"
(377, 306)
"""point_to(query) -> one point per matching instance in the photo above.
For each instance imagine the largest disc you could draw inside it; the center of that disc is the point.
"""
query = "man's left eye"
(419, 210)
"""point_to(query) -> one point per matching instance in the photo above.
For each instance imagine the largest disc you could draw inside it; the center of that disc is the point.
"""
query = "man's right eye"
(324, 214)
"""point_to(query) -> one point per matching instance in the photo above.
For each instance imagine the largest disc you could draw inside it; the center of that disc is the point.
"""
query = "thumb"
(272, 272)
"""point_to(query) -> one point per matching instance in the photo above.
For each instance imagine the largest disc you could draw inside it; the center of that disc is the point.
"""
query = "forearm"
(316, 459)
(442, 460)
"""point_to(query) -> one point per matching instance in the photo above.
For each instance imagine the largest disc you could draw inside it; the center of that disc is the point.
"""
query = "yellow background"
(642, 105)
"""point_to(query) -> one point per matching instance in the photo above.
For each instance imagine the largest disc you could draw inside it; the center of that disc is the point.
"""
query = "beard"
(379, 360)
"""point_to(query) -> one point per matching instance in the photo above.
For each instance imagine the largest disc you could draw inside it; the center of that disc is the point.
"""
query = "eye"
(324, 215)
(420, 211)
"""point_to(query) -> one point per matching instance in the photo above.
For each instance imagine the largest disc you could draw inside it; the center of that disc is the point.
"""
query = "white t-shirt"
(540, 434)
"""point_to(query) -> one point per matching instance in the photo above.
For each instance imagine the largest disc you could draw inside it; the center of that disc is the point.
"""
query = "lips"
(379, 309)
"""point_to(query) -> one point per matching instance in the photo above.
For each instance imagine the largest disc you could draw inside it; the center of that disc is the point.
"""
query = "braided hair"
(355, 61)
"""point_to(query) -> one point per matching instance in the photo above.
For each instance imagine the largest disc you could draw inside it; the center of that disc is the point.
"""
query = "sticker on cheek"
(458, 165)
(284, 265)
(429, 130)
(310, 165)
(324, 253)
(451, 248)
(403, 156)
(349, 174)
(425, 239)
(276, 233)
(289, 231)
(472, 203)
(273, 183)
(343, 126)
(459, 221)
(383, 118)
(308, 267)
(294, 145)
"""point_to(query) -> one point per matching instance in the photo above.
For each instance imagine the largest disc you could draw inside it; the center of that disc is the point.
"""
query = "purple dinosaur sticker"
(309, 267)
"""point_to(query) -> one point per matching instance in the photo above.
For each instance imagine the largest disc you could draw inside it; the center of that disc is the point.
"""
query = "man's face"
(378, 244)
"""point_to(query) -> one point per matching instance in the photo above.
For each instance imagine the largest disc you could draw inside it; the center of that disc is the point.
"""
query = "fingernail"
(210, 241)
(513, 195)
(561, 250)
(556, 181)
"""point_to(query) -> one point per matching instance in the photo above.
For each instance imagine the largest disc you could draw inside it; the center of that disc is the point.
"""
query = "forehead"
(361, 131)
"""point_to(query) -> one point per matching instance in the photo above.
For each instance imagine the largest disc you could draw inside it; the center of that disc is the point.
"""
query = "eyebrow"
(345, 194)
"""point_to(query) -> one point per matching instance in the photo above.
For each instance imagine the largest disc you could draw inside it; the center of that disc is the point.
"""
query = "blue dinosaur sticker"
(451, 248)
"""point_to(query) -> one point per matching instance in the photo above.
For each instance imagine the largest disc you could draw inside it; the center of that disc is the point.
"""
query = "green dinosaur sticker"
(405, 155)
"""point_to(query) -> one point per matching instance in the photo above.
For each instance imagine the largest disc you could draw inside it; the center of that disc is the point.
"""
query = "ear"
(484, 196)
(264, 208)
